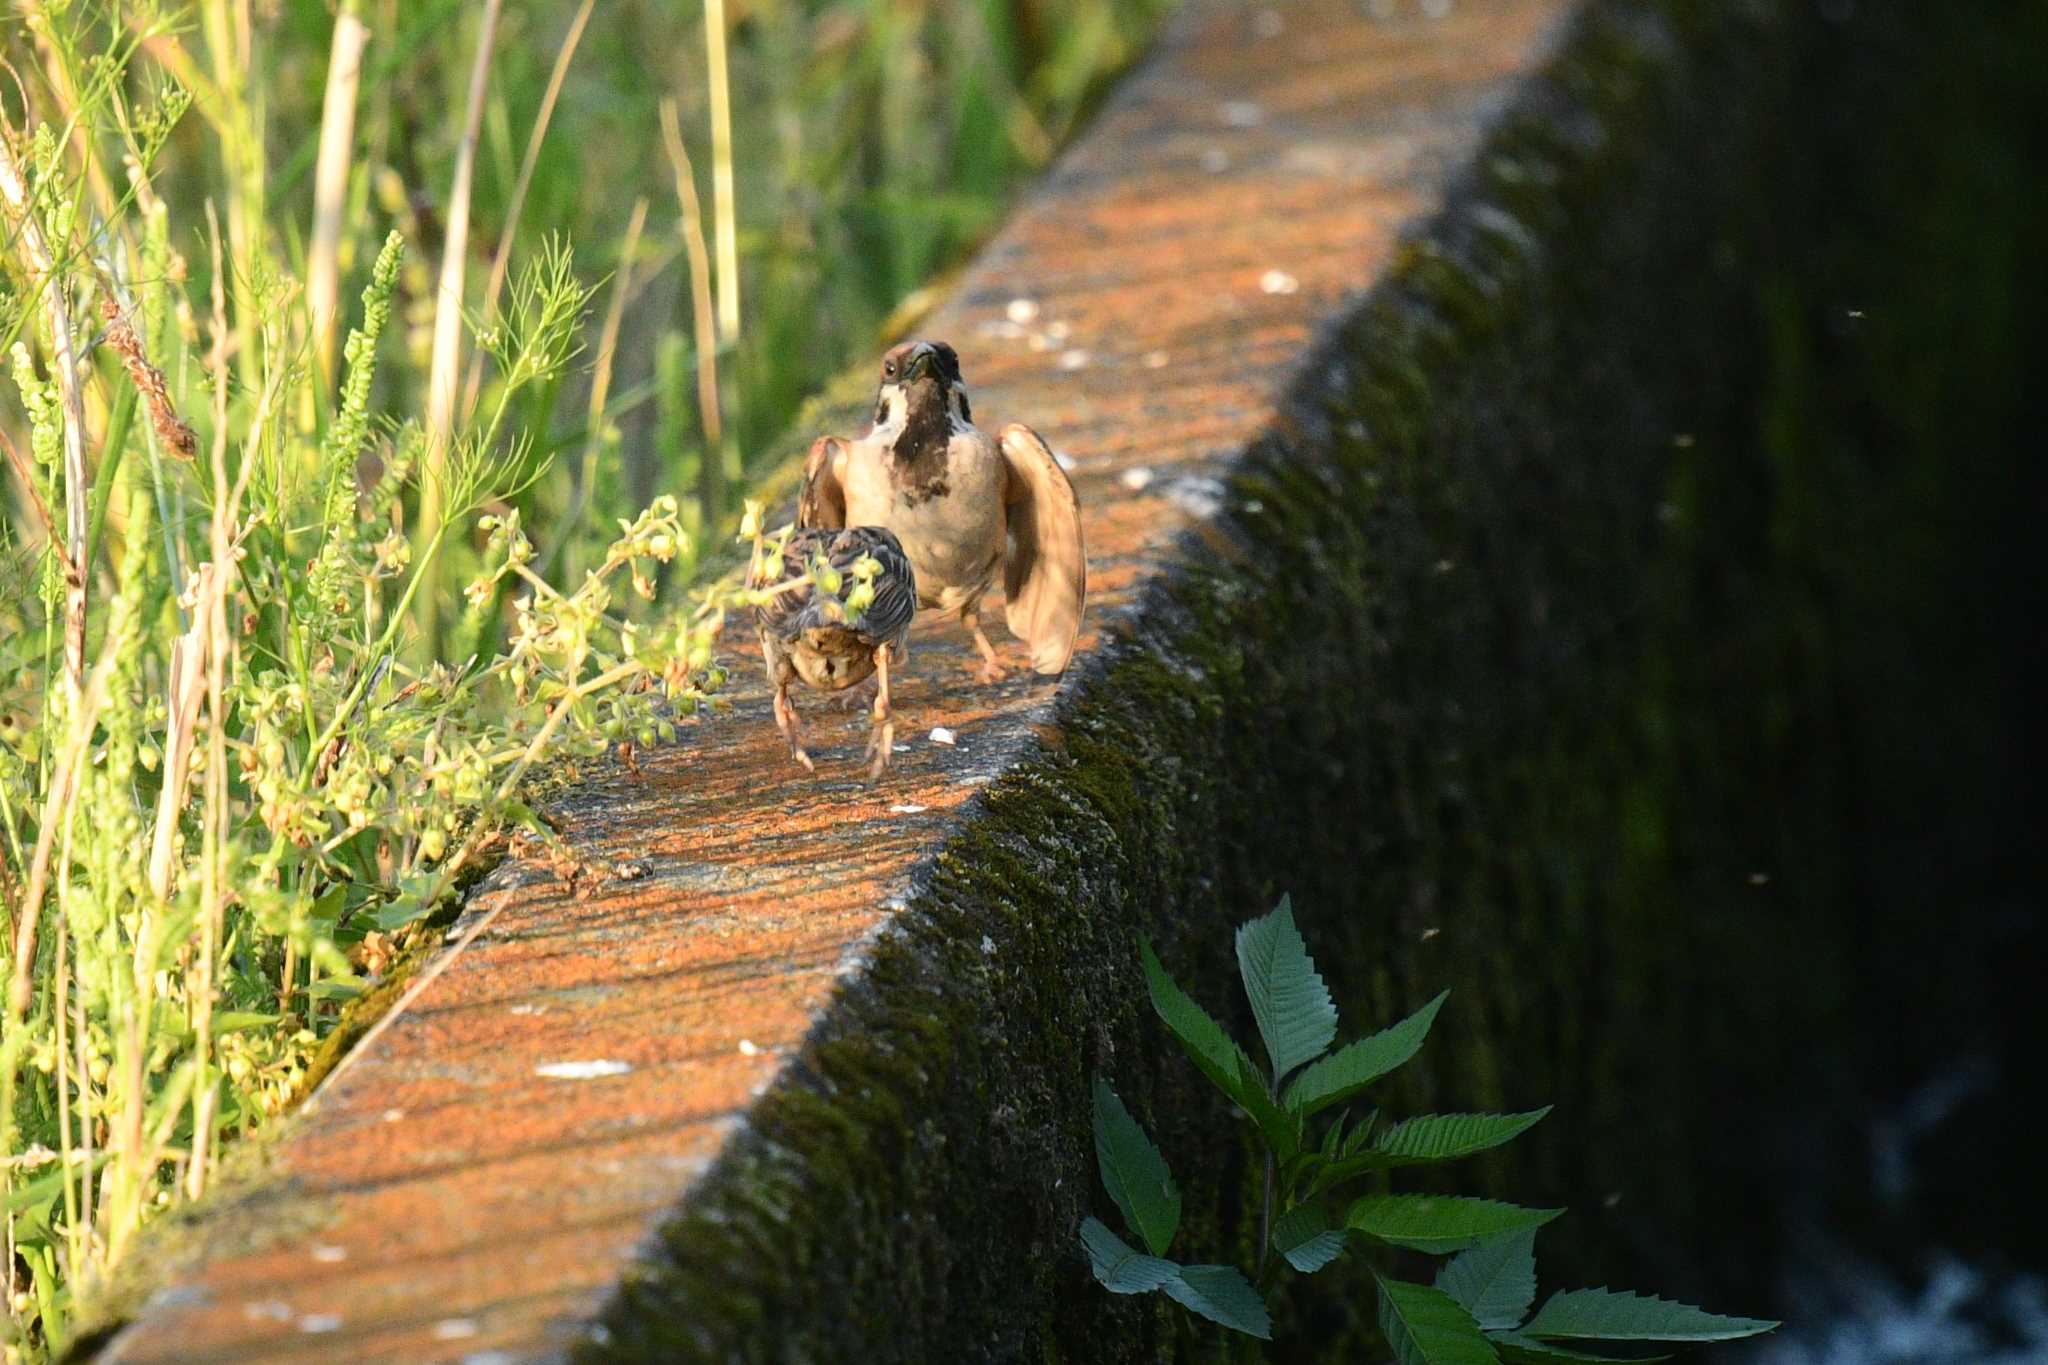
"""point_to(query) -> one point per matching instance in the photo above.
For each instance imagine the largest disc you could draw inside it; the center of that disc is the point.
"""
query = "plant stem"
(441, 376)
(330, 178)
(501, 259)
(1266, 1218)
(44, 278)
(711, 470)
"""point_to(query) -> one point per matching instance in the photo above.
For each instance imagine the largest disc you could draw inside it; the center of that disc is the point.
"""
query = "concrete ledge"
(813, 1086)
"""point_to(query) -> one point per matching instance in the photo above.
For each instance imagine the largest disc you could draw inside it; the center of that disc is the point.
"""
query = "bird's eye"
(889, 368)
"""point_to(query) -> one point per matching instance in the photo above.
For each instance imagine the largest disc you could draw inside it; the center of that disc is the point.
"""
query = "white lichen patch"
(582, 1070)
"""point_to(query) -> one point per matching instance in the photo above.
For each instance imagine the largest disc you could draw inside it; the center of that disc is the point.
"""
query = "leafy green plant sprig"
(1477, 1309)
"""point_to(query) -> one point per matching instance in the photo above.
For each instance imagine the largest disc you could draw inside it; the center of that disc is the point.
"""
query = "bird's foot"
(991, 670)
(881, 743)
(792, 729)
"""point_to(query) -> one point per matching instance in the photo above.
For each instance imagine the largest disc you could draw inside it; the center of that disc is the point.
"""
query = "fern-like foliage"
(1477, 1311)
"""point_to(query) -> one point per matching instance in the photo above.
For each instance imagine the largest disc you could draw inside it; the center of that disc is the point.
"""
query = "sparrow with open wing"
(841, 600)
(963, 503)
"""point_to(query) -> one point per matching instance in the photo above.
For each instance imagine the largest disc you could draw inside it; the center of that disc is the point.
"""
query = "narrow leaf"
(1304, 1236)
(1608, 1315)
(1427, 1327)
(1440, 1223)
(1333, 1138)
(1219, 1058)
(1134, 1172)
(1445, 1137)
(1495, 1281)
(1296, 1016)
(1222, 1294)
(1355, 1066)
(1517, 1349)
(1120, 1269)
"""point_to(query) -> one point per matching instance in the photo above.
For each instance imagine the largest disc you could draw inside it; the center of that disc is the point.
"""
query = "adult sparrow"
(963, 504)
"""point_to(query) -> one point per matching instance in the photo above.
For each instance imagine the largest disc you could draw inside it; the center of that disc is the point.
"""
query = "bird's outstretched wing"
(822, 503)
(1046, 573)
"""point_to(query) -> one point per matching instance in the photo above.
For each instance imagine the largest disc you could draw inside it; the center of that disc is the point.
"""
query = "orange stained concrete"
(470, 1188)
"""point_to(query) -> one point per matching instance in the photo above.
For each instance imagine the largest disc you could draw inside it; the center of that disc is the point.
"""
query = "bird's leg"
(991, 669)
(791, 727)
(882, 726)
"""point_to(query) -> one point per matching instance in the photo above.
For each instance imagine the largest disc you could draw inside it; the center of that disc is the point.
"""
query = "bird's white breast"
(955, 539)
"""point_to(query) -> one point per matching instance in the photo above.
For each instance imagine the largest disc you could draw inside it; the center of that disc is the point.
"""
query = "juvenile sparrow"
(963, 503)
(845, 599)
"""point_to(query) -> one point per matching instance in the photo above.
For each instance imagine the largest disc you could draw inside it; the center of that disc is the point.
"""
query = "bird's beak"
(917, 364)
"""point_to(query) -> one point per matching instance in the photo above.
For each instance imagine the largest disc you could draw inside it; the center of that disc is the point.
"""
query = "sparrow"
(963, 503)
(839, 601)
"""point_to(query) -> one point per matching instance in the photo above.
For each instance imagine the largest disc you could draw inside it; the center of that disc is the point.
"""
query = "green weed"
(296, 587)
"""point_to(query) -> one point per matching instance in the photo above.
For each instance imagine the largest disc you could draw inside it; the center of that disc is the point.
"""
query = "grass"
(341, 492)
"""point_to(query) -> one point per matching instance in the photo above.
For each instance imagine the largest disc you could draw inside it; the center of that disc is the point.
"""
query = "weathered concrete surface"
(810, 1089)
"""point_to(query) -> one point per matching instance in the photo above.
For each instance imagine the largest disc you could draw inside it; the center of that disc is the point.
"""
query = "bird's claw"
(787, 721)
(881, 742)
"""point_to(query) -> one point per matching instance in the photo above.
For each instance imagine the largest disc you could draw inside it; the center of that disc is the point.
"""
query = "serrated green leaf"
(1608, 1315)
(1439, 1223)
(1355, 1066)
(1446, 1137)
(1119, 1268)
(1134, 1172)
(1222, 1294)
(1296, 1016)
(1427, 1327)
(1304, 1236)
(1495, 1281)
(1517, 1349)
(1219, 1057)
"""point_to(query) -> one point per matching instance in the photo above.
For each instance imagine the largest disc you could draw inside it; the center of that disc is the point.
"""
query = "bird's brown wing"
(822, 503)
(1046, 574)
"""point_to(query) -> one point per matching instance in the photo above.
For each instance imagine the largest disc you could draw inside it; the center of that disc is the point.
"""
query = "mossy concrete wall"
(1421, 370)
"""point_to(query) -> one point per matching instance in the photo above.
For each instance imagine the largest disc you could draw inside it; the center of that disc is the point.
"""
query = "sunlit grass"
(296, 582)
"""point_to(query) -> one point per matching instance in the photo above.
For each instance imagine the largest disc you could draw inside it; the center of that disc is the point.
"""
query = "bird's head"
(921, 380)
